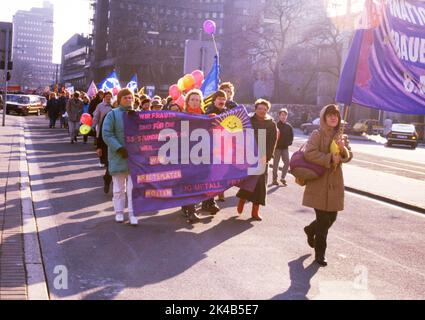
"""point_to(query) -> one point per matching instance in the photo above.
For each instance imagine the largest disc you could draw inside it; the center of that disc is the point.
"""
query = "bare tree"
(300, 75)
(327, 39)
(270, 39)
(22, 73)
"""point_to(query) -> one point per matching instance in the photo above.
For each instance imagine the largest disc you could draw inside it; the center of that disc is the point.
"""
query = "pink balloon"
(174, 92)
(210, 27)
(180, 101)
(199, 78)
(87, 119)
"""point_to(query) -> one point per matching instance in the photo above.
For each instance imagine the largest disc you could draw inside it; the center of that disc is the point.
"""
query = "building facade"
(75, 62)
(33, 48)
(147, 37)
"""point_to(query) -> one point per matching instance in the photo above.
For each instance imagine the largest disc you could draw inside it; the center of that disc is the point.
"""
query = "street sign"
(5, 56)
(199, 55)
(150, 91)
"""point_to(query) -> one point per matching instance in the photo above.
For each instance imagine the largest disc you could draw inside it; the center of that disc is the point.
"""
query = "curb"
(386, 199)
(381, 198)
(36, 279)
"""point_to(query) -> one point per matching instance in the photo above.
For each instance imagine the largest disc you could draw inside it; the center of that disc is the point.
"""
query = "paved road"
(400, 161)
(375, 250)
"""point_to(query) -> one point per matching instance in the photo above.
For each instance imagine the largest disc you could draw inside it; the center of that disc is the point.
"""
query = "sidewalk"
(12, 269)
(351, 137)
(21, 268)
(402, 191)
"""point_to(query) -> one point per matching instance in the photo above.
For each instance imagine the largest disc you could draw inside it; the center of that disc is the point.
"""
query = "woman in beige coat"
(326, 194)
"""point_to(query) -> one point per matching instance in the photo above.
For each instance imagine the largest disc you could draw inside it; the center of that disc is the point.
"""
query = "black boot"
(192, 214)
(106, 183)
(210, 206)
(321, 260)
(106, 187)
(310, 236)
(185, 211)
(320, 249)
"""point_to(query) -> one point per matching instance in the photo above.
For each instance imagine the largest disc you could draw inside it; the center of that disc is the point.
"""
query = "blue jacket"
(113, 135)
(86, 108)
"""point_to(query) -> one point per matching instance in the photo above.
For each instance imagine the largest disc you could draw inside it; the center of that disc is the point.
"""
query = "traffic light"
(8, 76)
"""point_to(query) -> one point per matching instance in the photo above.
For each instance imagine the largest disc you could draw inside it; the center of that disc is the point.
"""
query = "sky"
(70, 17)
(73, 16)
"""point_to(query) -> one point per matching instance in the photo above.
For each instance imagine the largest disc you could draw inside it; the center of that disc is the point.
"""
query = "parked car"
(43, 101)
(309, 127)
(369, 126)
(24, 104)
(403, 134)
(420, 130)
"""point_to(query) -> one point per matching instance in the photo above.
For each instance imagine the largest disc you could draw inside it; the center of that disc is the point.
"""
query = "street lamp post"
(6, 68)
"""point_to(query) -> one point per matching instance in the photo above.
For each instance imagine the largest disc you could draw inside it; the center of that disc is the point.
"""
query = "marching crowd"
(324, 194)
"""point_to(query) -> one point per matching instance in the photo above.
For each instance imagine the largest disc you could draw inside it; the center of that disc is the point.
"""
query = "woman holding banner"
(193, 104)
(217, 107)
(113, 135)
(260, 121)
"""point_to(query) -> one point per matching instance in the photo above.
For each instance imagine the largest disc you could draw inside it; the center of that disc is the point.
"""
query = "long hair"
(191, 93)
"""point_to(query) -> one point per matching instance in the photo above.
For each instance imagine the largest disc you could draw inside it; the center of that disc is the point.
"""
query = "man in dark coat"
(102, 152)
(95, 102)
(52, 109)
(217, 107)
(286, 138)
(229, 88)
(62, 102)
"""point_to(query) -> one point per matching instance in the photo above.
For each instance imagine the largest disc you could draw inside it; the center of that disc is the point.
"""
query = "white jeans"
(120, 181)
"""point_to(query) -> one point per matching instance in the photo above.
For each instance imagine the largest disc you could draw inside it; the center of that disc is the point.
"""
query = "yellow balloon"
(189, 82)
(180, 84)
(85, 129)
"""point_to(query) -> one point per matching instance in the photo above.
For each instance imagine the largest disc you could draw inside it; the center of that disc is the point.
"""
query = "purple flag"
(385, 68)
(92, 91)
(178, 159)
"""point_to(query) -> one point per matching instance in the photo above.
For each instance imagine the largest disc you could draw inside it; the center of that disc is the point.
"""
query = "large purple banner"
(178, 159)
(385, 68)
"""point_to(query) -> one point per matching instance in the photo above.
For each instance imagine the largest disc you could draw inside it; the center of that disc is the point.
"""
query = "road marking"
(391, 167)
(404, 164)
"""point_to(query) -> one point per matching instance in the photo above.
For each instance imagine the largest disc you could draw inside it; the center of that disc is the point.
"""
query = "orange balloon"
(189, 82)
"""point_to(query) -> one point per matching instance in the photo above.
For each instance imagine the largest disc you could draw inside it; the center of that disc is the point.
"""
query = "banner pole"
(215, 44)
(345, 115)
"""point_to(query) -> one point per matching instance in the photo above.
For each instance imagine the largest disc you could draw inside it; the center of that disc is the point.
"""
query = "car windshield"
(407, 128)
(316, 121)
(12, 98)
(24, 100)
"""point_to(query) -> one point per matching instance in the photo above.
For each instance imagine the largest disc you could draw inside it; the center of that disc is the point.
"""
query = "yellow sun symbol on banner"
(233, 123)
